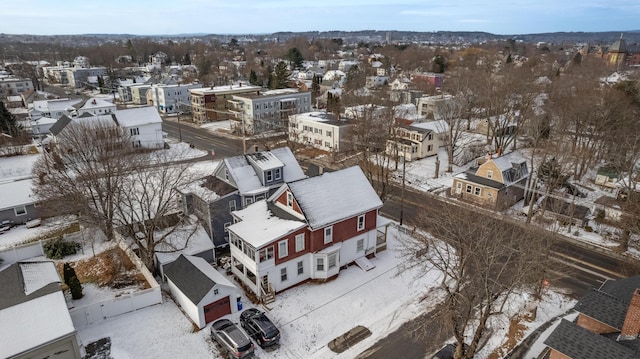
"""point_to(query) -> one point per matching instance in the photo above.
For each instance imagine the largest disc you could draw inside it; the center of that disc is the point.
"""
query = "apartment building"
(211, 103)
(268, 110)
(320, 130)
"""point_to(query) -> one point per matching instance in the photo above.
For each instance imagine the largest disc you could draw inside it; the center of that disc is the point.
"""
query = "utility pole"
(402, 192)
(179, 128)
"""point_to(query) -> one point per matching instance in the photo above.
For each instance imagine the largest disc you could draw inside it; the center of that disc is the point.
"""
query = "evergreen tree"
(295, 57)
(315, 87)
(68, 272)
(75, 287)
(280, 76)
(253, 78)
(8, 123)
(187, 59)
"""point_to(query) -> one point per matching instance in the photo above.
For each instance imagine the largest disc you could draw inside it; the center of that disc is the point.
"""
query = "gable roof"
(334, 196)
(137, 116)
(57, 127)
(16, 193)
(577, 342)
(245, 176)
(610, 302)
(194, 277)
(28, 288)
(262, 223)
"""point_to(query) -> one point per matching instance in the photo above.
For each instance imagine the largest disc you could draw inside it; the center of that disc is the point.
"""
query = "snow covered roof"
(334, 196)
(199, 242)
(96, 102)
(24, 322)
(16, 193)
(505, 162)
(137, 116)
(36, 275)
(245, 176)
(55, 105)
(439, 126)
(259, 226)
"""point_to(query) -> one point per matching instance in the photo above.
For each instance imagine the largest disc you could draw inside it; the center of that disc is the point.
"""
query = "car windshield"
(245, 347)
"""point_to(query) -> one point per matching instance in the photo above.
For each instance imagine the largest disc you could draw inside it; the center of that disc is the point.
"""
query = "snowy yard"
(309, 316)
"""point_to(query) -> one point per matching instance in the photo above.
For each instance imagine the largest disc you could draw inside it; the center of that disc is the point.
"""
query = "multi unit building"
(268, 110)
(308, 230)
(211, 103)
(428, 105)
(171, 98)
(321, 130)
(11, 86)
(237, 182)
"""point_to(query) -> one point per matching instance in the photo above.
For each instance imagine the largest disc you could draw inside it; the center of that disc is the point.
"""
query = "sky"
(145, 17)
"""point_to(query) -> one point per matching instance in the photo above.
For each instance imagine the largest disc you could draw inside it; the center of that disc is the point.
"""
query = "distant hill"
(437, 37)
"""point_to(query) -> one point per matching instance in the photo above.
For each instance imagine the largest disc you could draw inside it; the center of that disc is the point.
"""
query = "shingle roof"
(579, 343)
(603, 307)
(57, 127)
(189, 279)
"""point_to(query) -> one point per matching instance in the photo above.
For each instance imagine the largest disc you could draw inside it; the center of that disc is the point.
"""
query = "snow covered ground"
(309, 316)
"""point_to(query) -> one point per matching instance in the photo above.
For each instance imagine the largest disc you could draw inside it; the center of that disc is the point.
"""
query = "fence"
(21, 252)
(96, 312)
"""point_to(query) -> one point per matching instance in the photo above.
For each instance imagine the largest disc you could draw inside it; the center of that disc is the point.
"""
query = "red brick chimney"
(631, 326)
(488, 155)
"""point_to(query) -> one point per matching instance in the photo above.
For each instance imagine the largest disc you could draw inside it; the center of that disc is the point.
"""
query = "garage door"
(217, 309)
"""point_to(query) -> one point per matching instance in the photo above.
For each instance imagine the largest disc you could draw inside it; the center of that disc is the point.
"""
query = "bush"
(59, 248)
(76, 288)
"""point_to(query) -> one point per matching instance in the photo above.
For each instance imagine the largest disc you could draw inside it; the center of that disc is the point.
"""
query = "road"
(422, 335)
(416, 338)
(201, 138)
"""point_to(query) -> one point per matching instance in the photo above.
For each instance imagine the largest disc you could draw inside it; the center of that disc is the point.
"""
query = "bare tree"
(148, 210)
(83, 171)
(483, 262)
(450, 122)
(373, 126)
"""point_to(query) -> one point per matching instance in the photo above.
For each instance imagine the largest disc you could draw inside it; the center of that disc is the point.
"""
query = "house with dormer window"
(417, 141)
(307, 230)
(497, 181)
(236, 183)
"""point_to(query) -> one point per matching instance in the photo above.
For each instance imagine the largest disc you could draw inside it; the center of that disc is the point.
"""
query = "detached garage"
(202, 292)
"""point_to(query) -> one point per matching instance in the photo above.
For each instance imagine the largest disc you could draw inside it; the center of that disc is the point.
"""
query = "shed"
(203, 293)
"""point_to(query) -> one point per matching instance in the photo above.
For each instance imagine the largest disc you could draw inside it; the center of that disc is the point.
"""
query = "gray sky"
(144, 17)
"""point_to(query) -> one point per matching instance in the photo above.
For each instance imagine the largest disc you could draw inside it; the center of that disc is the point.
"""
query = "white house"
(417, 141)
(144, 125)
(97, 106)
(321, 130)
(53, 108)
(203, 294)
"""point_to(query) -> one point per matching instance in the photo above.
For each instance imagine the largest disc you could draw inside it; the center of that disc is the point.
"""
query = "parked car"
(231, 338)
(6, 225)
(259, 327)
(447, 351)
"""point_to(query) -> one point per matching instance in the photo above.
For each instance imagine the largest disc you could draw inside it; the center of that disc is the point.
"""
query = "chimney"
(499, 152)
(488, 155)
(631, 326)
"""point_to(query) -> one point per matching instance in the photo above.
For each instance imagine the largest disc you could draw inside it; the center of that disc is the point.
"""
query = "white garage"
(202, 292)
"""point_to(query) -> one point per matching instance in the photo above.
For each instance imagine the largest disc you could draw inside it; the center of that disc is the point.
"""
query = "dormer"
(269, 169)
